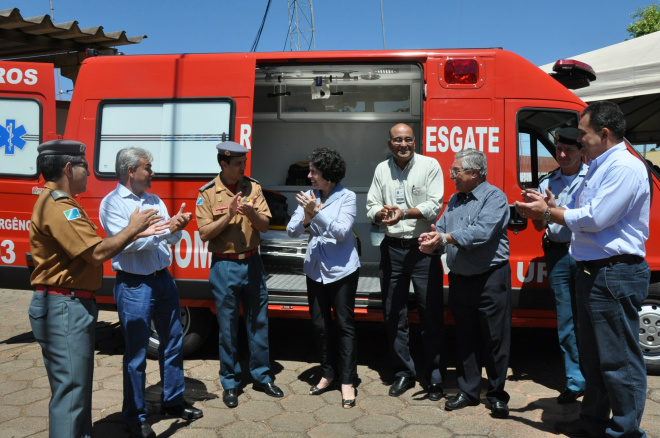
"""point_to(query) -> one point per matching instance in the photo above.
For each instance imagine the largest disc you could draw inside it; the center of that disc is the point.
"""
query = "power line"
(261, 28)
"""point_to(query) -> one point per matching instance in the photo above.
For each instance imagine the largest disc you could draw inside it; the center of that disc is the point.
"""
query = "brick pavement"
(533, 384)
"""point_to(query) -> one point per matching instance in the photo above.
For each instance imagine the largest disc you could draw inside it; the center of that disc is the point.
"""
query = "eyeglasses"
(82, 164)
(454, 172)
(399, 140)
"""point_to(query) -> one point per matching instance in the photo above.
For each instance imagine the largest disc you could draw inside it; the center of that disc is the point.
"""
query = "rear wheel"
(196, 324)
(649, 329)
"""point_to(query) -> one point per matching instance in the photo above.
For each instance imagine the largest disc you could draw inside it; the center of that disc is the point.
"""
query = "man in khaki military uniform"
(68, 257)
(231, 211)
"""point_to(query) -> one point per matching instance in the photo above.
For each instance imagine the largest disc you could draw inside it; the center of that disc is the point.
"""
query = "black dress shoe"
(140, 430)
(459, 401)
(184, 410)
(499, 409)
(269, 388)
(569, 396)
(401, 385)
(436, 392)
(349, 403)
(230, 397)
(572, 428)
(315, 390)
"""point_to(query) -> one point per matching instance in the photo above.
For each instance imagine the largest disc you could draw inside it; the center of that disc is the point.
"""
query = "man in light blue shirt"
(145, 290)
(609, 218)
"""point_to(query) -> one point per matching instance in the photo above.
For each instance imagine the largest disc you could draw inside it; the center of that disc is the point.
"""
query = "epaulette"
(549, 175)
(58, 194)
(253, 180)
(207, 186)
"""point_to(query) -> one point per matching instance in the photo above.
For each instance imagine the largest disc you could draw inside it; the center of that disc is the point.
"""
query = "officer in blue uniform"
(562, 268)
(231, 212)
(68, 259)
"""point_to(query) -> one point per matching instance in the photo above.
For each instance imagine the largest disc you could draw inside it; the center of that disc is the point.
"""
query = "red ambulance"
(282, 106)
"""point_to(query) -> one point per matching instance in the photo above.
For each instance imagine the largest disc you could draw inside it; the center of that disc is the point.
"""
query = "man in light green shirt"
(404, 199)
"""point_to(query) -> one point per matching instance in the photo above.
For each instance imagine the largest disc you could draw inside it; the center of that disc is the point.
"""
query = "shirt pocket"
(418, 195)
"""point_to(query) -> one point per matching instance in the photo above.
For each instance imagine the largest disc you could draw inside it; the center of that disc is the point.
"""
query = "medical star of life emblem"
(10, 136)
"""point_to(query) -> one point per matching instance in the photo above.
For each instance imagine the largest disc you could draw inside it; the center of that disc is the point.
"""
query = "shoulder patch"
(252, 179)
(200, 201)
(72, 214)
(207, 186)
(58, 194)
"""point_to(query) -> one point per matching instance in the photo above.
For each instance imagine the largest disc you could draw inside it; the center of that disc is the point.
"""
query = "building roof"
(38, 39)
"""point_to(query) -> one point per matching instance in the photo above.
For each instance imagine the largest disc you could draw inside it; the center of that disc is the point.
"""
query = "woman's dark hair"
(331, 165)
(51, 166)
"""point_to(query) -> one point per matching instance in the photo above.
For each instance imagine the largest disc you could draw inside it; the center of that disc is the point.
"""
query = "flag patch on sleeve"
(200, 201)
(72, 214)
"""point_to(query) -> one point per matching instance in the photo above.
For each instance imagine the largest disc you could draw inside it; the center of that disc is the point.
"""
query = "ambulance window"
(20, 134)
(180, 134)
(536, 145)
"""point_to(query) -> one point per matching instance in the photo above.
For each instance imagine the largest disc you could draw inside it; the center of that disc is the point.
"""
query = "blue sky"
(541, 31)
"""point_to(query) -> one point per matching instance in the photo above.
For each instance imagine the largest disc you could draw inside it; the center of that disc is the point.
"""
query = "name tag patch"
(72, 214)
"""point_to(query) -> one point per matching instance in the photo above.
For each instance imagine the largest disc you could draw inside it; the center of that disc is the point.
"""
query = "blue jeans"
(562, 272)
(612, 362)
(64, 327)
(141, 298)
(233, 282)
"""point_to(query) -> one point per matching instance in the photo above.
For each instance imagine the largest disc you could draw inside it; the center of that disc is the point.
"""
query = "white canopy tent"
(627, 73)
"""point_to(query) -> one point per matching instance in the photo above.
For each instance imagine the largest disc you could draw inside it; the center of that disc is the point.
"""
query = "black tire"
(196, 324)
(649, 329)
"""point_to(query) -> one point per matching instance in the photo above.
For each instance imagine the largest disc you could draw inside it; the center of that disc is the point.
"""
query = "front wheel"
(196, 324)
(649, 329)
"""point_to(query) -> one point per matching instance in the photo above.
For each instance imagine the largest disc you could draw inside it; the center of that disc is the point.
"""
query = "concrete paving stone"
(654, 395)
(514, 429)
(213, 417)
(422, 430)
(257, 410)
(102, 373)
(296, 366)
(332, 431)
(376, 387)
(26, 396)
(337, 414)
(38, 408)
(245, 429)
(190, 432)
(301, 403)
(27, 373)
(104, 398)
(41, 382)
(110, 361)
(292, 422)
(23, 427)
(422, 414)
(378, 423)
(208, 371)
(651, 423)
(16, 365)
(8, 412)
(189, 364)
(12, 386)
(380, 404)
(299, 387)
(473, 424)
(31, 354)
(286, 377)
(380, 435)
(115, 382)
(535, 389)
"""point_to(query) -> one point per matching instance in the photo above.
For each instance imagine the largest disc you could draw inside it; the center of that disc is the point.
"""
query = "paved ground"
(533, 382)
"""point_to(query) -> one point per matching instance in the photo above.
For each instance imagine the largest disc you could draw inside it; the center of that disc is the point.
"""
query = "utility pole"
(301, 25)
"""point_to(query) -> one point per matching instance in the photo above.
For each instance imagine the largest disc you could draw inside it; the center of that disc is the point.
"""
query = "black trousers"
(338, 296)
(481, 305)
(398, 267)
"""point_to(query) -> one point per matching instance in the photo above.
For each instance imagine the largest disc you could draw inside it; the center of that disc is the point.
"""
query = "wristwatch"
(547, 216)
(405, 214)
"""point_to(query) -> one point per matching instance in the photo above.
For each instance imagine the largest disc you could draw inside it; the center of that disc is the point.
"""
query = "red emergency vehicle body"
(283, 105)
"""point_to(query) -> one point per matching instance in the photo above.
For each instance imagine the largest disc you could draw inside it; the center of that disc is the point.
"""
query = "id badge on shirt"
(400, 198)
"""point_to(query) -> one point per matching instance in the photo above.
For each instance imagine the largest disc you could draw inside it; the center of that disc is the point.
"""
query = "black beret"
(62, 147)
(231, 149)
(567, 136)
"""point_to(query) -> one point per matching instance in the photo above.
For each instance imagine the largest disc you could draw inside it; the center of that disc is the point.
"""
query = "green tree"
(648, 21)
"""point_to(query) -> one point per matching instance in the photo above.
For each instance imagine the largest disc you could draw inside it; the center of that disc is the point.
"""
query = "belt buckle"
(241, 256)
